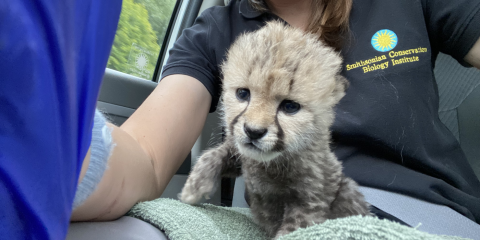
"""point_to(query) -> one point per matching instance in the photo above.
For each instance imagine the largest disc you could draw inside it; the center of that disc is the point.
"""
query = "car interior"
(122, 93)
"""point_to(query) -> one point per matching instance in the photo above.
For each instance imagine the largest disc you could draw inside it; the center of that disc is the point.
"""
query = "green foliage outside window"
(159, 14)
(140, 33)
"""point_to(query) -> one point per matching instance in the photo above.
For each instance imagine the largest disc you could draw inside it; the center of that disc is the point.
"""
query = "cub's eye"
(243, 94)
(289, 106)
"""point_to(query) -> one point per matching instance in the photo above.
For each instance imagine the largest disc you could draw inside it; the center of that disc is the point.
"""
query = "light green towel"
(181, 221)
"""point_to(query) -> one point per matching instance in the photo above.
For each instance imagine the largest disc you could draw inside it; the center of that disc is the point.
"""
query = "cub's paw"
(196, 189)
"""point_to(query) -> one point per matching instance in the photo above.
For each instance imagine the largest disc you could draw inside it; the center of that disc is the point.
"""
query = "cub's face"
(279, 88)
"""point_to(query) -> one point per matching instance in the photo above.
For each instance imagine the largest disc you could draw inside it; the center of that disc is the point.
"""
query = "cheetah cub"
(279, 88)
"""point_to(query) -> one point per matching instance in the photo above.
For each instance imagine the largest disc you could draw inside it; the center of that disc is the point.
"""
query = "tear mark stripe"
(279, 145)
(235, 120)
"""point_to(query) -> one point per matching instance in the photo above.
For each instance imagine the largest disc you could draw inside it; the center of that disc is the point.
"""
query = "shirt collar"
(248, 11)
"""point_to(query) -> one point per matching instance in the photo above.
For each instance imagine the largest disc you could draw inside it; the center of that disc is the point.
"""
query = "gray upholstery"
(469, 128)
(459, 91)
(209, 3)
(239, 193)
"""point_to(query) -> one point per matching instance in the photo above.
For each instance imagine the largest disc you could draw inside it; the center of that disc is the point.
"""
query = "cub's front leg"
(302, 215)
(210, 167)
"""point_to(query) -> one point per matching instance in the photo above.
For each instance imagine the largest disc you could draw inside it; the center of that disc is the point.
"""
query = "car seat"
(459, 92)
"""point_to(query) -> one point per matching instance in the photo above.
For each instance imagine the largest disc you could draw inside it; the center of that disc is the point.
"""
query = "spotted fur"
(292, 177)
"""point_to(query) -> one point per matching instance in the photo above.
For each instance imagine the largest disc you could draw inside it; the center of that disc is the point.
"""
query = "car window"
(141, 30)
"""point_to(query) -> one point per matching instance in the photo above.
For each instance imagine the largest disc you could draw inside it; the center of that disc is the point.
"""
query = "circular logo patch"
(384, 40)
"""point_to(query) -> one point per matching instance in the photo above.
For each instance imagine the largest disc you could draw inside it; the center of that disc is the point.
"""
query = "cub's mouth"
(253, 150)
(252, 146)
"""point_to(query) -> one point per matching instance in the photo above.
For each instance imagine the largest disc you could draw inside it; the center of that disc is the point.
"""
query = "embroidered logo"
(384, 40)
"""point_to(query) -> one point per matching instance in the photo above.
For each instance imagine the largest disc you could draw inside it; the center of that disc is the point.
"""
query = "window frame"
(166, 39)
(185, 16)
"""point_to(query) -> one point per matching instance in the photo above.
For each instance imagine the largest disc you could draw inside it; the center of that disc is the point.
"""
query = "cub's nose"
(254, 133)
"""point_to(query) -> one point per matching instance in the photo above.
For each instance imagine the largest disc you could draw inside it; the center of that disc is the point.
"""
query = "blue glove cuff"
(100, 150)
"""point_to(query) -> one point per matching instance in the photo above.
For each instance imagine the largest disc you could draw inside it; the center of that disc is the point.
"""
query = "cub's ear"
(341, 85)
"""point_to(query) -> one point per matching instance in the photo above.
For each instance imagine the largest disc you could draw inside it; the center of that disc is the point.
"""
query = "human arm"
(164, 127)
(453, 28)
(150, 147)
(473, 56)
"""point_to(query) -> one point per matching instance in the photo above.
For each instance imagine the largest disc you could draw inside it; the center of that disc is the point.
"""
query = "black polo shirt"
(387, 131)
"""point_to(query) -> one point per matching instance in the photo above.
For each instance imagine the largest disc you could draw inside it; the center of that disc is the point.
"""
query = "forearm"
(169, 122)
(473, 56)
(150, 147)
(128, 179)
